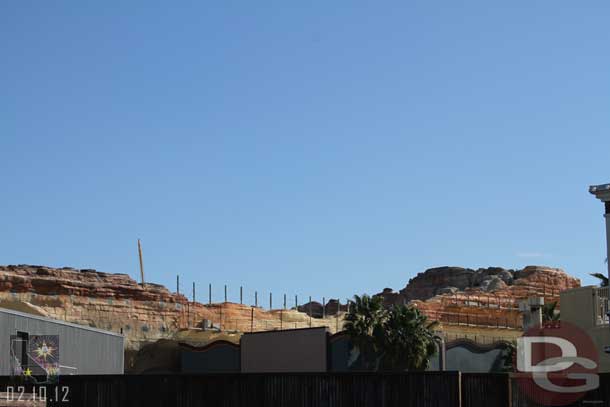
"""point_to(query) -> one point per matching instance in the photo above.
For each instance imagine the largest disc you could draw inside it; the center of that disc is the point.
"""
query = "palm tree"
(409, 340)
(603, 280)
(397, 339)
(507, 357)
(550, 312)
(364, 324)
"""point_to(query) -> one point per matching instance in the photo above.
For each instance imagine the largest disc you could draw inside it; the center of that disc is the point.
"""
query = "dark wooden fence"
(520, 391)
(500, 389)
(485, 389)
(429, 389)
(262, 390)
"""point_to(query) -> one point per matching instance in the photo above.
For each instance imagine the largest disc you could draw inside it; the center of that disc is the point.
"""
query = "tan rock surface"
(117, 303)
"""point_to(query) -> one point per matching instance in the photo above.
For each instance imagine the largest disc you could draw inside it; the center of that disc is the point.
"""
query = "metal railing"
(601, 305)
(218, 319)
(509, 320)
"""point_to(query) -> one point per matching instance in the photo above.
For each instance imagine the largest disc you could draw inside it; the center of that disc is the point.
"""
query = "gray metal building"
(82, 350)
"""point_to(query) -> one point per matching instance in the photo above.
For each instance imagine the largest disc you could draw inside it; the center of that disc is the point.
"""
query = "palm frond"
(603, 280)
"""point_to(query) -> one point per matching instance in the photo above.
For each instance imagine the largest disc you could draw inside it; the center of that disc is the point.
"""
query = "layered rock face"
(82, 283)
(113, 302)
(117, 303)
(532, 280)
(488, 297)
(151, 312)
(427, 284)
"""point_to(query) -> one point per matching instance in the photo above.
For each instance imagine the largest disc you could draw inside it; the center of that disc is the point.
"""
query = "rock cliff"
(114, 302)
(532, 280)
(487, 297)
(117, 303)
(151, 312)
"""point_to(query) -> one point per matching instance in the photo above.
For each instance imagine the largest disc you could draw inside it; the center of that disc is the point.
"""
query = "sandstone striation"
(145, 314)
(487, 298)
(117, 303)
(114, 302)
(532, 280)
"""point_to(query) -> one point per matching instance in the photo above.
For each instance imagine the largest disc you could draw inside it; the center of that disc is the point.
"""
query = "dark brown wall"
(297, 350)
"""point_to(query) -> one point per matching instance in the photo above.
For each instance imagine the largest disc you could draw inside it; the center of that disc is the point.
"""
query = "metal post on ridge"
(309, 311)
(323, 307)
(141, 263)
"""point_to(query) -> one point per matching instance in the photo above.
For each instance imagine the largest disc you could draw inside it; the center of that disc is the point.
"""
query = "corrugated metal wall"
(90, 351)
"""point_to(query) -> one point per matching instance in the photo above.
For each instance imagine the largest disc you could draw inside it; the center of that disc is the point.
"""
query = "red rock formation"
(532, 280)
(426, 285)
(485, 297)
(113, 302)
(84, 283)
(118, 303)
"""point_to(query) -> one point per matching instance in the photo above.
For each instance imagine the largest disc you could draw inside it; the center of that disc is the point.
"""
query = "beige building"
(587, 308)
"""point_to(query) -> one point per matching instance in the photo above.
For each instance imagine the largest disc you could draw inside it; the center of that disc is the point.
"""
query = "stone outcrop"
(316, 310)
(484, 297)
(390, 297)
(449, 280)
(426, 285)
(493, 284)
(81, 283)
(145, 314)
(117, 303)
(113, 302)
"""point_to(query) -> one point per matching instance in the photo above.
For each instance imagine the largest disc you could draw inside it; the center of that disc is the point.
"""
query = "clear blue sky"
(313, 148)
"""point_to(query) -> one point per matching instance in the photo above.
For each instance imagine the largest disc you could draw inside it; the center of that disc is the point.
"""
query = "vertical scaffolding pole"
(323, 307)
(337, 315)
(141, 262)
(193, 303)
(310, 311)
(252, 319)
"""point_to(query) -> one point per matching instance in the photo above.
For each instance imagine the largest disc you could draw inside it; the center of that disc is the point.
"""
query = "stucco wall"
(577, 307)
(296, 350)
